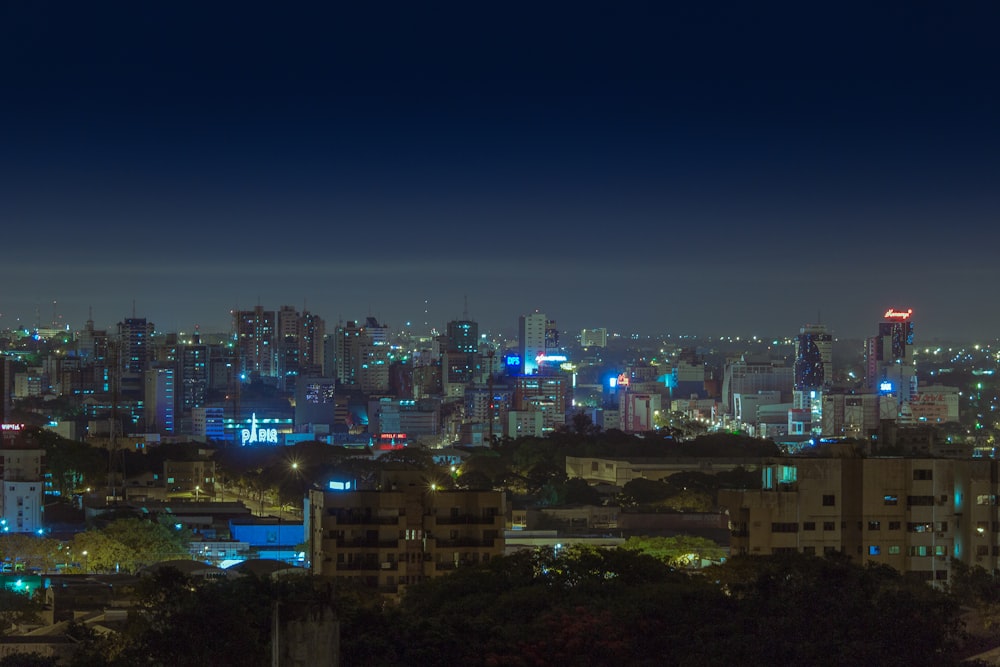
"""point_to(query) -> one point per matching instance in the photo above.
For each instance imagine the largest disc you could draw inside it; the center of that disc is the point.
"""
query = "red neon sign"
(898, 314)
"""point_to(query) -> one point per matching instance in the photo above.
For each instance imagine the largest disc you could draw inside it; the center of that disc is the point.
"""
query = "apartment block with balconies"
(403, 531)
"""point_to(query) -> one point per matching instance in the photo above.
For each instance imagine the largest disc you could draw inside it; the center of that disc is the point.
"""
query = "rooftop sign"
(892, 314)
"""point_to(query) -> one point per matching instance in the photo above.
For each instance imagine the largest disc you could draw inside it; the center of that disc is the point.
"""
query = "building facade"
(402, 533)
(914, 514)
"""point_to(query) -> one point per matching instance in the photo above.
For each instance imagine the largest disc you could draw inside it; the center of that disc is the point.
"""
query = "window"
(919, 501)
(809, 551)
(923, 474)
(829, 525)
(829, 551)
(809, 525)
(784, 527)
(894, 550)
(891, 500)
(874, 550)
(894, 525)
(982, 550)
(874, 525)
(918, 551)
(919, 527)
(829, 500)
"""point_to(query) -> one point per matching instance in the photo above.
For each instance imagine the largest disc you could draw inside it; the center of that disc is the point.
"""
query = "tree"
(149, 541)
(29, 551)
(677, 551)
(94, 551)
(17, 608)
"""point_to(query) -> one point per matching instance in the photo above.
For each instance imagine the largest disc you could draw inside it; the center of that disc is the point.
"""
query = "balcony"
(366, 543)
(358, 566)
(466, 519)
(365, 520)
(464, 542)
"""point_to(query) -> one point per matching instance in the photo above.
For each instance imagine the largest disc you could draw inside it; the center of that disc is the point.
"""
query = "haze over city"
(653, 169)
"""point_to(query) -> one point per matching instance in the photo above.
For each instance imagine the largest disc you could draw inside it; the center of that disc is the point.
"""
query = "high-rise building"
(531, 341)
(463, 336)
(194, 368)
(813, 357)
(889, 365)
(135, 334)
(256, 343)
(158, 407)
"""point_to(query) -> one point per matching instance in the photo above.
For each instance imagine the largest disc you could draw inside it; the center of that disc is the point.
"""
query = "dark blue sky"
(708, 168)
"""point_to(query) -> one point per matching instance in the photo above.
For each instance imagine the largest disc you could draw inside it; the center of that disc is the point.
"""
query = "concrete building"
(748, 376)
(594, 337)
(160, 401)
(542, 393)
(23, 489)
(638, 411)
(256, 342)
(531, 341)
(619, 472)
(914, 514)
(402, 532)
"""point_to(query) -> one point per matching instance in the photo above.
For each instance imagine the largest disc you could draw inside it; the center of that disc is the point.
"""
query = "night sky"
(703, 168)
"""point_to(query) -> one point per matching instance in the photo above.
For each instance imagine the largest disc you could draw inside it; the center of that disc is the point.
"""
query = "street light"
(197, 491)
(86, 561)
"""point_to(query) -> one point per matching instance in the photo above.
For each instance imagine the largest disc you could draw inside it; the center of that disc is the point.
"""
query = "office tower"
(813, 373)
(813, 358)
(256, 343)
(531, 341)
(889, 364)
(463, 336)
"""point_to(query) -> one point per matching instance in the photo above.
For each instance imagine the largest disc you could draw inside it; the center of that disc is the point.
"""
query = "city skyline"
(712, 171)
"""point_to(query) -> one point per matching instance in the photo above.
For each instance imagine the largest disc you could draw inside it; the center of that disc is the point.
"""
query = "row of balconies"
(396, 544)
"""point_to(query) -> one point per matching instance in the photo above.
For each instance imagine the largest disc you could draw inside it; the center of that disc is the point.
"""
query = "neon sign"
(885, 387)
(340, 486)
(623, 380)
(892, 314)
(11, 427)
(542, 358)
(254, 435)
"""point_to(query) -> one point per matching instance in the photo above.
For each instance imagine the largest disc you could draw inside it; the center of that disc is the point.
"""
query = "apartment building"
(914, 514)
(403, 531)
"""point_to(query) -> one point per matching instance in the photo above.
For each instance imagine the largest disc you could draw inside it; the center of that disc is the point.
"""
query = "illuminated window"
(874, 550)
